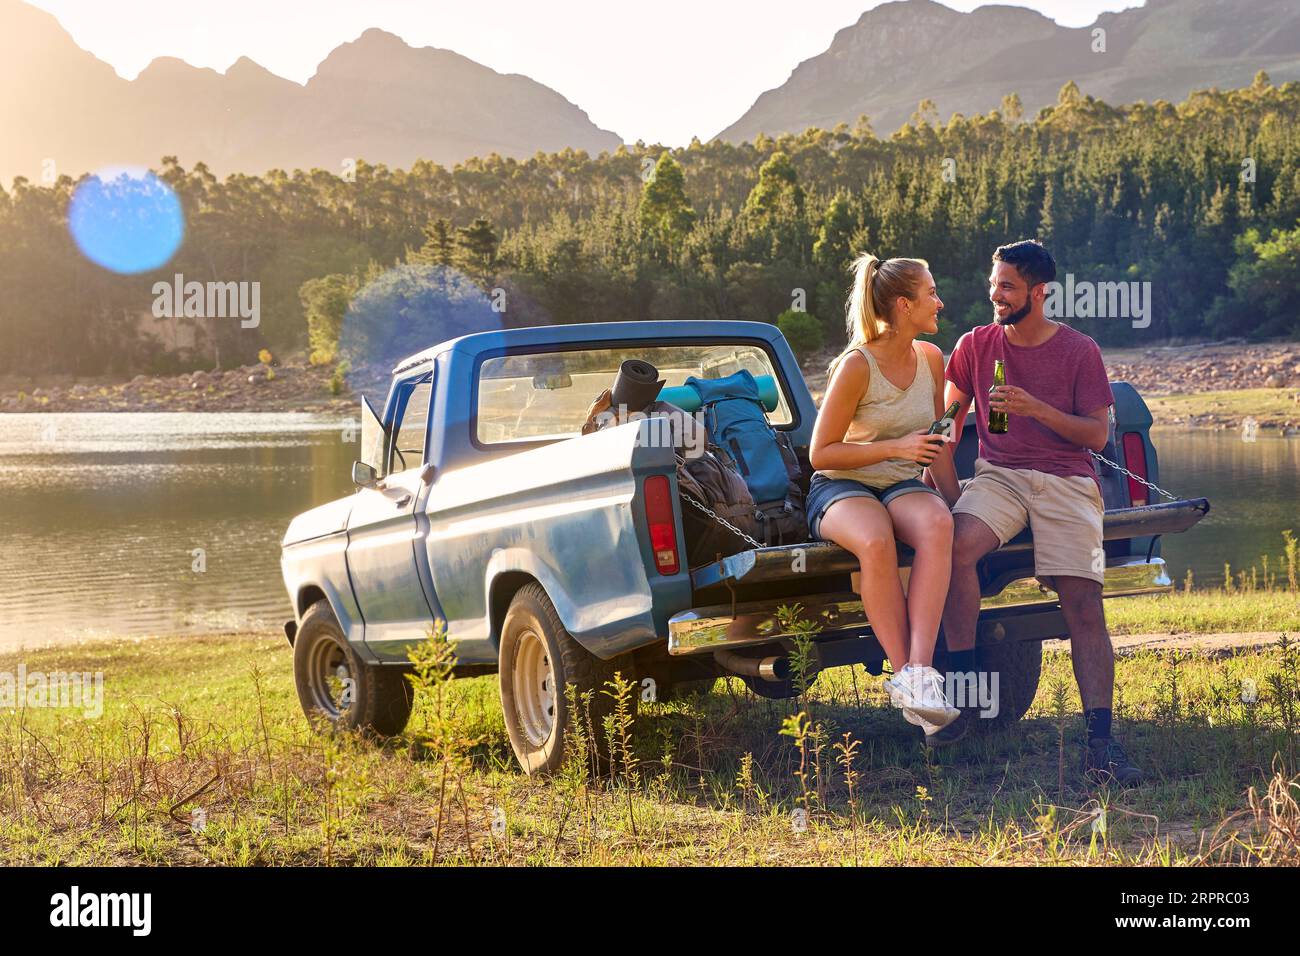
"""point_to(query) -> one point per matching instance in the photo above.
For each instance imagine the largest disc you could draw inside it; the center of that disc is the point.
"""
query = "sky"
(635, 67)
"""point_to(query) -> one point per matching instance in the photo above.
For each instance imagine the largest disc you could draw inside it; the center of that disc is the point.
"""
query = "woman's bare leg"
(923, 521)
(863, 527)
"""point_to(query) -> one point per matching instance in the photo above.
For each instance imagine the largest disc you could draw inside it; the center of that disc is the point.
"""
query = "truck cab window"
(409, 436)
(544, 396)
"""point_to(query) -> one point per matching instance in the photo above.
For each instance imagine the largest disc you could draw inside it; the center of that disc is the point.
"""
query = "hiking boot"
(1104, 761)
(919, 691)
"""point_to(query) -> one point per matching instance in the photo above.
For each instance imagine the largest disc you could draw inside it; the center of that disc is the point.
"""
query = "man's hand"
(1016, 401)
(598, 407)
(1086, 431)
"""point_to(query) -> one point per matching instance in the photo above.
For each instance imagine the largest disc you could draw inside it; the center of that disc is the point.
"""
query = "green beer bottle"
(942, 424)
(998, 423)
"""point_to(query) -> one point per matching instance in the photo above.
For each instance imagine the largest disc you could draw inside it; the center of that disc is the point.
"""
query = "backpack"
(709, 480)
(737, 424)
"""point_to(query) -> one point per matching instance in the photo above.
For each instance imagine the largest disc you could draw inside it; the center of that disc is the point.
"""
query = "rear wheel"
(1019, 666)
(335, 687)
(538, 659)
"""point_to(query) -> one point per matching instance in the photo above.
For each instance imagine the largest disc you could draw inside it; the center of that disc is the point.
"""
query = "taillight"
(663, 527)
(1135, 460)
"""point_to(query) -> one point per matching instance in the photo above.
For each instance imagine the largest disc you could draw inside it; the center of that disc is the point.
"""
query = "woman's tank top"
(887, 411)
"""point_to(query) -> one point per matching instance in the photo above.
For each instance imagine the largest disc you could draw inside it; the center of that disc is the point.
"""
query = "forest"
(1201, 199)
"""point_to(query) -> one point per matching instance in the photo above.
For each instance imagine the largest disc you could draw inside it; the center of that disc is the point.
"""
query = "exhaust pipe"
(772, 669)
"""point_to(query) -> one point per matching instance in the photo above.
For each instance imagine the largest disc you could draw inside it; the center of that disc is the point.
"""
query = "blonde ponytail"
(877, 284)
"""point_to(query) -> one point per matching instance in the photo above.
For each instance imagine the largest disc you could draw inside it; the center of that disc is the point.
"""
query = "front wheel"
(334, 687)
(538, 659)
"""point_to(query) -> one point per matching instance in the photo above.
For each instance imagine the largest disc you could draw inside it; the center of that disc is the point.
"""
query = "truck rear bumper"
(705, 630)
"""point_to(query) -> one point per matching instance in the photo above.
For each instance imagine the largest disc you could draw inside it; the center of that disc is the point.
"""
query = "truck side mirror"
(364, 475)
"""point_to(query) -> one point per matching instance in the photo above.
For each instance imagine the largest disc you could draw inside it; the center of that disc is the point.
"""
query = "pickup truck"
(557, 558)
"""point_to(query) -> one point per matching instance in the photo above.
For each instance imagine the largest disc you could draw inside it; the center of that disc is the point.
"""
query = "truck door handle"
(403, 501)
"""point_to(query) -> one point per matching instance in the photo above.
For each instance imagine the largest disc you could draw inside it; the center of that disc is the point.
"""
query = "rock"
(1273, 381)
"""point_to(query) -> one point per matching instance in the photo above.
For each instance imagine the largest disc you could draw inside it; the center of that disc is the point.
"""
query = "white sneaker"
(916, 721)
(918, 691)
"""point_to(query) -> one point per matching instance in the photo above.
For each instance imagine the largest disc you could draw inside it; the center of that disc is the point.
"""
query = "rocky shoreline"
(247, 388)
(1185, 385)
(1206, 368)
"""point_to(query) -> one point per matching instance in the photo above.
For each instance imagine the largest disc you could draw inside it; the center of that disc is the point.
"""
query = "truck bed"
(737, 598)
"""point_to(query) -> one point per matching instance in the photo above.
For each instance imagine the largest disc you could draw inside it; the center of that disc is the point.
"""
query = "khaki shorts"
(1064, 515)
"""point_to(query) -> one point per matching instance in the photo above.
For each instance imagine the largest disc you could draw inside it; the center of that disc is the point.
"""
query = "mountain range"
(902, 52)
(379, 99)
(375, 98)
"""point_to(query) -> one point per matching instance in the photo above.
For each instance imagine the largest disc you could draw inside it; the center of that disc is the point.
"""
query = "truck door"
(382, 533)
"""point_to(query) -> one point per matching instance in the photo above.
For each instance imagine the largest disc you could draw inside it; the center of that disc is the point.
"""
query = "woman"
(869, 449)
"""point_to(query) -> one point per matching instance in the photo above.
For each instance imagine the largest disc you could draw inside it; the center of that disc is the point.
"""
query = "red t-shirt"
(1066, 372)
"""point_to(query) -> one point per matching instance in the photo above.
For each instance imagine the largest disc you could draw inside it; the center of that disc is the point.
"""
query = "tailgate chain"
(1137, 478)
(720, 520)
(748, 540)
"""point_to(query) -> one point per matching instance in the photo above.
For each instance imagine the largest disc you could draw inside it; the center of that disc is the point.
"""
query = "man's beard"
(1013, 317)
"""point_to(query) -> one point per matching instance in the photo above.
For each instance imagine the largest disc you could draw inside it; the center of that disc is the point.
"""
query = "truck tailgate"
(739, 599)
(762, 565)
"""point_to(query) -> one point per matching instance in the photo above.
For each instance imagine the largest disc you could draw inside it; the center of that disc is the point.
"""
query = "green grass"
(209, 729)
(1266, 405)
(1205, 612)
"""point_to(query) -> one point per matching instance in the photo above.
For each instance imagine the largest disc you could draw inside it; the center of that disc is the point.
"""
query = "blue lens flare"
(412, 307)
(127, 221)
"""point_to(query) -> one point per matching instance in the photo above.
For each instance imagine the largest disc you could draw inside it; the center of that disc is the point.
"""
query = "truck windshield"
(543, 396)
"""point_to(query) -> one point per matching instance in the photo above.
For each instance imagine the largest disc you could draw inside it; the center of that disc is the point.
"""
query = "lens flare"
(126, 220)
(412, 307)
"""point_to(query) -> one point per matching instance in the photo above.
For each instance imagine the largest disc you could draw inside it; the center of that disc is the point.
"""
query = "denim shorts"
(824, 492)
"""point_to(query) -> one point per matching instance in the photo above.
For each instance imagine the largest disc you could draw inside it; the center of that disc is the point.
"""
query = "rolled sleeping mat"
(637, 385)
(688, 400)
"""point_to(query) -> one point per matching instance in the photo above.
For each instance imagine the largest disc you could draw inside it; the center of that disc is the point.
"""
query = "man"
(1038, 473)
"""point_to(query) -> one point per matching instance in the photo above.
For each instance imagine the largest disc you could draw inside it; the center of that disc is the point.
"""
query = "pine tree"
(439, 247)
(665, 213)
(478, 243)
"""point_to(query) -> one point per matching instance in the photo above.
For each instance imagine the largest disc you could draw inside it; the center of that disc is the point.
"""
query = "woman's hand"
(919, 447)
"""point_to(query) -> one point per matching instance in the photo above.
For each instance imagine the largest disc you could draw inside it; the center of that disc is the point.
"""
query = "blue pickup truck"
(558, 558)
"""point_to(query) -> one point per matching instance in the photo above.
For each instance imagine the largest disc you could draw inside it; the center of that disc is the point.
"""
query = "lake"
(133, 524)
(102, 514)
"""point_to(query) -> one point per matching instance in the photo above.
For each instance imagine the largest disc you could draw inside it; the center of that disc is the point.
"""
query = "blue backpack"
(737, 425)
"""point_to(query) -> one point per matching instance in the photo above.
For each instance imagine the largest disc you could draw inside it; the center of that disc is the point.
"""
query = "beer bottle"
(941, 425)
(998, 420)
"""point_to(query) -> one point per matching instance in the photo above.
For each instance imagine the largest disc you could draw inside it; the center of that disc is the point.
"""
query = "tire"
(538, 658)
(1019, 665)
(381, 696)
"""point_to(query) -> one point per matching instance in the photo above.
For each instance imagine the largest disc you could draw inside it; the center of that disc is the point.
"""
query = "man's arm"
(1087, 431)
